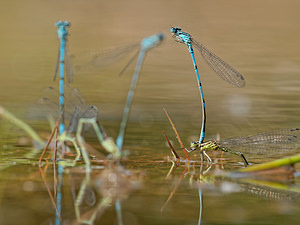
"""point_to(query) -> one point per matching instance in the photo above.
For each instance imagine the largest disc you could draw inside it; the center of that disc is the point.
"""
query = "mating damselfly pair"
(224, 70)
(281, 140)
(87, 112)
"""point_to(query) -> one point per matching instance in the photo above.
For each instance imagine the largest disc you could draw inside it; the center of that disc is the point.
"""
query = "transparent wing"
(75, 106)
(57, 64)
(90, 112)
(129, 63)
(68, 65)
(103, 58)
(74, 121)
(224, 70)
(277, 141)
(49, 103)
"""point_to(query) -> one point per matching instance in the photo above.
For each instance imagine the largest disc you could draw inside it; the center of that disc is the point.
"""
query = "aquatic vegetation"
(19, 123)
(177, 136)
(79, 143)
(107, 142)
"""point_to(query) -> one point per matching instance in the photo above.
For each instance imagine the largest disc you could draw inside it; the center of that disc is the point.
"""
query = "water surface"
(260, 39)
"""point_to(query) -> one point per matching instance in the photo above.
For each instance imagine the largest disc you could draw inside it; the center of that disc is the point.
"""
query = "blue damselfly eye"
(59, 23)
(175, 29)
(67, 23)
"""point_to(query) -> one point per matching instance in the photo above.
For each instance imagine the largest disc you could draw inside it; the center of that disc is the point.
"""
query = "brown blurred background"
(259, 38)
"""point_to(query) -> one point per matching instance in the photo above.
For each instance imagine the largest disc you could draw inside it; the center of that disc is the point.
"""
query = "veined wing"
(68, 65)
(277, 141)
(269, 193)
(57, 64)
(96, 59)
(75, 106)
(90, 112)
(223, 69)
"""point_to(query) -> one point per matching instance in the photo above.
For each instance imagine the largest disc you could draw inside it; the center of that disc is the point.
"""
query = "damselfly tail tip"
(161, 36)
(243, 84)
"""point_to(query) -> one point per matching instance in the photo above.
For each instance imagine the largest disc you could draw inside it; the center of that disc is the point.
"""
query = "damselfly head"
(59, 23)
(67, 23)
(62, 23)
(151, 41)
(194, 145)
(174, 30)
(62, 29)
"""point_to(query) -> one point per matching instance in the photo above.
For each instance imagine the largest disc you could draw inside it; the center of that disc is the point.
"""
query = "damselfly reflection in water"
(224, 70)
(113, 184)
(214, 184)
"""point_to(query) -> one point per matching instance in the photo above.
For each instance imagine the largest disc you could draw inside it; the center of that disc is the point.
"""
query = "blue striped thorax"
(151, 42)
(62, 30)
(181, 37)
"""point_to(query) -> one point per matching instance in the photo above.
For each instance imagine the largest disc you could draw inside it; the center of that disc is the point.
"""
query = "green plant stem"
(19, 123)
(273, 164)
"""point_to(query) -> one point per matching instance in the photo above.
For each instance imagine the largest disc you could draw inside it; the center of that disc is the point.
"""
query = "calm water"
(262, 42)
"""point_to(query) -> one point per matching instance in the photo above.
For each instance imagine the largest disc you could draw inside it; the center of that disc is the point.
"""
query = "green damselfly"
(280, 141)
